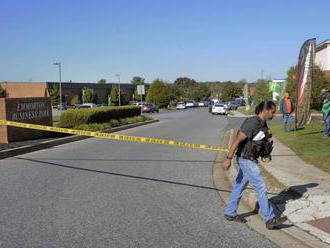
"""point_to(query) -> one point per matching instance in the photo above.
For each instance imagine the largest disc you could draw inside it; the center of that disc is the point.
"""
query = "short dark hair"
(264, 105)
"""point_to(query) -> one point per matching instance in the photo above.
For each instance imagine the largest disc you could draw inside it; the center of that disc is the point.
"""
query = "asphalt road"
(101, 193)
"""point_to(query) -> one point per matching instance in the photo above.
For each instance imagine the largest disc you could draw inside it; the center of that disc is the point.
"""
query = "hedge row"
(75, 117)
(112, 123)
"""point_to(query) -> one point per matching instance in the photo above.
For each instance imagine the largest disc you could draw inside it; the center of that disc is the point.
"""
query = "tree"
(204, 92)
(184, 86)
(2, 91)
(102, 81)
(88, 95)
(188, 89)
(158, 93)
(231, 91)
(114, 94)
(292, 82)
(242, 81)
(75, 100)
(262, 91)
(199, 92)
(319, 82)
(54, 94)
(136, 80)
(125, 97)
(174, 94)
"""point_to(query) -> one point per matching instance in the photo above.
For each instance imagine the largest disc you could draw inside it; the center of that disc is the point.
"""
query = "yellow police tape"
(111, 136)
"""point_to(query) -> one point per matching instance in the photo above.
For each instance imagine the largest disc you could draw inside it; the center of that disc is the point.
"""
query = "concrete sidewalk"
(306, 198)
(297, 190)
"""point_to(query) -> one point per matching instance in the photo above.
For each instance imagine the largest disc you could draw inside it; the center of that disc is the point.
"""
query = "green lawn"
(308, 143)
(316, 111)
(251, 111)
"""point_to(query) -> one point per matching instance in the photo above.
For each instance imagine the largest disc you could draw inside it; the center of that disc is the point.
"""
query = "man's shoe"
(275, 222)
(235, 218)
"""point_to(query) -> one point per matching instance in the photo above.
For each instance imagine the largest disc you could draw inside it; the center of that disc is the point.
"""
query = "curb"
(60, 141)
(249, 200)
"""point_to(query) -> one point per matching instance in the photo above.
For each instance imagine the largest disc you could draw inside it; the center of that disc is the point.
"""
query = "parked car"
(226, 105)
(206, 103)
(139, 103)
(240, 101)
(86, 105)
(181, 105)
(190, 104)
(230, 105)
(62, 107)
(201, 104)
(150, 108)
(233, 105)
(219, 108)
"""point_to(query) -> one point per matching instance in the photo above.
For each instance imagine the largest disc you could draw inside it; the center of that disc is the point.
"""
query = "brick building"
(69, 90)
(322, 57)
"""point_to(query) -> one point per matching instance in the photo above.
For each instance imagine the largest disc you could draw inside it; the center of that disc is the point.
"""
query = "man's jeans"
(288, 119)
(249, 173)
(326, 131)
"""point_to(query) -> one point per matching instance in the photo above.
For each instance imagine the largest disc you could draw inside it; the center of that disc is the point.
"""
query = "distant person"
(252, 141)
(287, 108)
(326, 111)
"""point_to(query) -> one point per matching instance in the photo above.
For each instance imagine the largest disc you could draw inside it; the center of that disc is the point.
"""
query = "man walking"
(287, 109)
(326, 112)
(252, 141)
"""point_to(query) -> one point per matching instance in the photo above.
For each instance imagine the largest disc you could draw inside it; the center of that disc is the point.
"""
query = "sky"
(207, 40)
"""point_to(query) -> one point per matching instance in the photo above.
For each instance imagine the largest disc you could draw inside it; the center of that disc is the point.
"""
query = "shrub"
(112, 123)
(76, 117)
(123, 122)
(94, 126)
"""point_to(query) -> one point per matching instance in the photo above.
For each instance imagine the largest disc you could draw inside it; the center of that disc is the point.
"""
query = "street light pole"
(118, 76)
(60, 77)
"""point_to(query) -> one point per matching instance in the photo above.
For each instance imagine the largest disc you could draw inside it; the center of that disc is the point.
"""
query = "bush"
(112, 123)
(94, 126)
(123, 122)
(76, 117)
